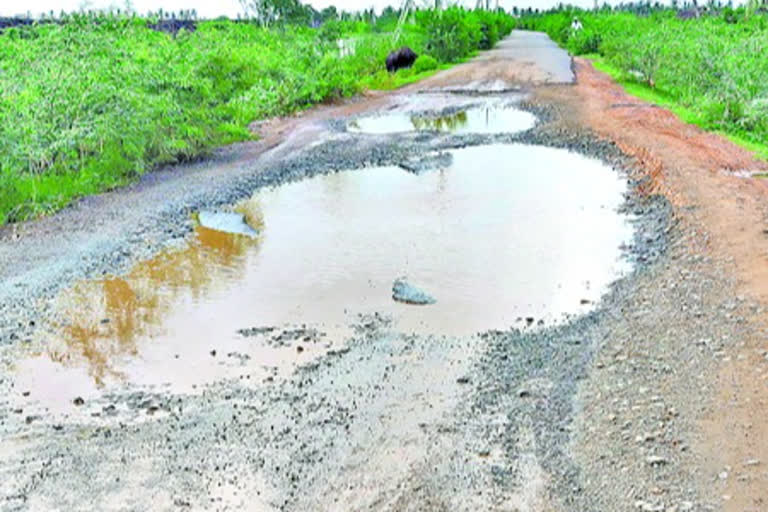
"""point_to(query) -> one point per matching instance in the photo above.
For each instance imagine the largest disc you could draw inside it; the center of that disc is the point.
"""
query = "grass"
(94, 102)
(710, 70)
(658, 97)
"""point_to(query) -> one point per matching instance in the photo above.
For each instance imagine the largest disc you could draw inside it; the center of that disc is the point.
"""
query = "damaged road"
(591, 411)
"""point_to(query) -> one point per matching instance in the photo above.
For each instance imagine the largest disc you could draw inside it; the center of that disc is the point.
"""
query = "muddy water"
(492, 118)
(506, 233)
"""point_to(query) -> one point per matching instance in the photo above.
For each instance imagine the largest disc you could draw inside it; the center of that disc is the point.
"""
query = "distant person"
(576, 25)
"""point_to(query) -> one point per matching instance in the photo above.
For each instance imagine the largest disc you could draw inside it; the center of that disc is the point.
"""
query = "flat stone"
(226, 222)
(402, 291)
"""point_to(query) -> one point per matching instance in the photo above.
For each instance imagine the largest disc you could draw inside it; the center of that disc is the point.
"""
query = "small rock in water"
(402, 291)
(226, 222)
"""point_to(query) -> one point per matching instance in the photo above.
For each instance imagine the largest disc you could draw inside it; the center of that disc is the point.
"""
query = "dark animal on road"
(401, 59)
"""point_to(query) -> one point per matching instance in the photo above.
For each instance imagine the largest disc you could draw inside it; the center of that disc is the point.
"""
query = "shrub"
(424, 63)
(451, 33)
(584, 41)
(93, 102)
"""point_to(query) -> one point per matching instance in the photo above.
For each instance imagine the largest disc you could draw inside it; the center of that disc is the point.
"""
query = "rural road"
(130, 349)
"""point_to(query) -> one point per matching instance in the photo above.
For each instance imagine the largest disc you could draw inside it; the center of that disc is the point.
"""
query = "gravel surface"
(594, 414)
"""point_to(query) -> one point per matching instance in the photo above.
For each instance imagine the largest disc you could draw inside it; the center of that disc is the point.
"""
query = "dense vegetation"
(711, 62)
(92, 102)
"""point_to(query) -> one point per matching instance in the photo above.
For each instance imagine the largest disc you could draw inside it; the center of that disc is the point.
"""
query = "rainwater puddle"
(487, 119)
(507, 232)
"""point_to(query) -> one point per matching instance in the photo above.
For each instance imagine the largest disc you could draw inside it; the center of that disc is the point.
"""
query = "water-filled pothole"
(492, 118)
(504, 234)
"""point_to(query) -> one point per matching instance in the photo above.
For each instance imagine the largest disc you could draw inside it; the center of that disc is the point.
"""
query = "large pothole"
(506, 235)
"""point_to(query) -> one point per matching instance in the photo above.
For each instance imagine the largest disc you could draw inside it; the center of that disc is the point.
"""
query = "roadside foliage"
(90, 102)
(712, 62)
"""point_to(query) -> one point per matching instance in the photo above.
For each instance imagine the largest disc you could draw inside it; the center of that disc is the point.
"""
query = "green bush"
(489, 29)
(451, 34)
(456, 32)
(583, 42)
(424, 63)
(94, 102)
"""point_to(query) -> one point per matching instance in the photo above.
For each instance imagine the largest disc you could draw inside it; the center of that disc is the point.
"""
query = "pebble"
(645, 438)
(655, 460)
(649, 507)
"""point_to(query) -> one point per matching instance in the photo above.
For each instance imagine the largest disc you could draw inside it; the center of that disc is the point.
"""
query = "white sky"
(213, 8)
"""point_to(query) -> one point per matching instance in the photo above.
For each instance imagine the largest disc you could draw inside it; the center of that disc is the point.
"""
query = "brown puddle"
(505, 233)
(492, 118)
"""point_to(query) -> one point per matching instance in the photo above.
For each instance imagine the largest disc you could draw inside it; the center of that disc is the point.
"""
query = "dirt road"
(649, 395)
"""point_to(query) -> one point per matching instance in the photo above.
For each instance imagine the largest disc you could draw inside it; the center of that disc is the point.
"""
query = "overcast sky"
(213, 8)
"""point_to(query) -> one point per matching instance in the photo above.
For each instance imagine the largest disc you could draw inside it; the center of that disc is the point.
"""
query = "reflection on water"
(447, 123)
(505, 233)
(105, 322)
(487, 119)
(107, 317)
